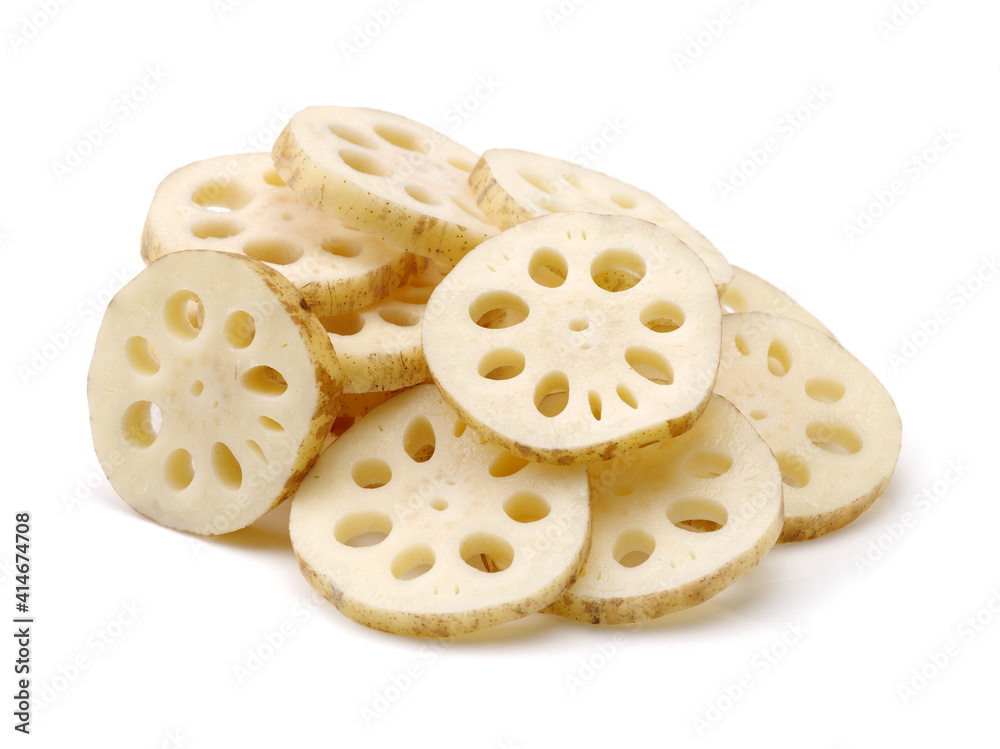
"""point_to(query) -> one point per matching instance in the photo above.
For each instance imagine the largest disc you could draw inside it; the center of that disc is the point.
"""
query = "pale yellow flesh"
(243, 376)
(379, 346)
(387, 175)
(239, 204)
(677, 522)
(512, 186)
(829, 422)
(352, 407)
(463, 536)
(619, 346)
(355, 405)
(750, 293)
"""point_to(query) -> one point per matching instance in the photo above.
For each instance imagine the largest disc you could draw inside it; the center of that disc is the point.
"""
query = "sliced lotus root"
(211, 390)
(379, 346)
(355, 405)
(574, 337)
(387, 175)
(512, 186)
(750, 293)
(240, 204)
(676, 522)
(352, 407)
(411, 524)
(832, 426)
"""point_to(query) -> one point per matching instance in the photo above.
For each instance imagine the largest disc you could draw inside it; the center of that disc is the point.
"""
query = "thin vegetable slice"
(379, 346)
(239, 204)
(829, 422)
(211, 391)
(677, 522)
(576, 337)
(411, 524)
(512, 186)
(750, 293)
(385, 174)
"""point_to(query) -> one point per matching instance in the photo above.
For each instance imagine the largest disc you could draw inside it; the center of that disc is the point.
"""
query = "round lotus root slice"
(575, 337)
(829, 422)
(512, 186)
(379, 347)
(352, 407)
(677, 522)
(239, 204)
(750, 293)
(355, 405)
(211, 390)
(387, 175)
(411, 524)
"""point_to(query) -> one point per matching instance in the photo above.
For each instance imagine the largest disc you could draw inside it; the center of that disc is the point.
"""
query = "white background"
(165, 674)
